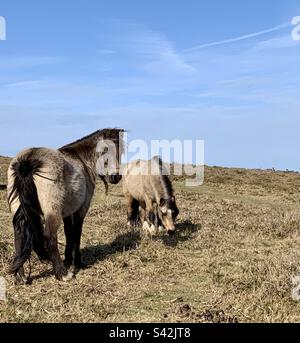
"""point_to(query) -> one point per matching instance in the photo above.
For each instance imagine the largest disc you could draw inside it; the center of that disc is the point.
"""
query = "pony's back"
(149, 178)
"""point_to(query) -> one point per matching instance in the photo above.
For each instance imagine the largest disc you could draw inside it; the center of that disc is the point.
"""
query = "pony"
(47, 187)
(149, 195)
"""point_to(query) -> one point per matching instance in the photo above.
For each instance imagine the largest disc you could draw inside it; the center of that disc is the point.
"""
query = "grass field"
(236, 249)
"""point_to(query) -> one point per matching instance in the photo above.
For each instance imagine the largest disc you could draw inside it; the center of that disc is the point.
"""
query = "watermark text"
(155, 158)
(2, 28)
(2, 289)
(296, 30)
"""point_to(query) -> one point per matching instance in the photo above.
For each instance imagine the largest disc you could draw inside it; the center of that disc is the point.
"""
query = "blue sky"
(225, 72)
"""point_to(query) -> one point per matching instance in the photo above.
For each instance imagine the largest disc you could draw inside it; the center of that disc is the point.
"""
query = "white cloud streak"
(238, 39)
(8, 63)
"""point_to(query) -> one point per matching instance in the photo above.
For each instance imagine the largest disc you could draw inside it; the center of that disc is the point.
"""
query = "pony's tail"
(27, 220)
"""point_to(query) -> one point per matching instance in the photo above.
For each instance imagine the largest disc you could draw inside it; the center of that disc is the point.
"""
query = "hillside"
(232, 258)
(4, 162)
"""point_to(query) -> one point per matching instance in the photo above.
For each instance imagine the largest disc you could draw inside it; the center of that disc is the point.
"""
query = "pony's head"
(109, 152)
(167, 211)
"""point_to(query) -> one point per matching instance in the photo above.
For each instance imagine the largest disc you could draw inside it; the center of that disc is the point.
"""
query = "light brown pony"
(148, 191)
(46, 187)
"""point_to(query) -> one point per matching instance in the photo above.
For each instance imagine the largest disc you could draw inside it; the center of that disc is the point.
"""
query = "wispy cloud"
(10, 63)
(238, 39)
(145, 50)
(105, 52)
(162, 55)
(169, 62)
(282, 42)
(31, 85)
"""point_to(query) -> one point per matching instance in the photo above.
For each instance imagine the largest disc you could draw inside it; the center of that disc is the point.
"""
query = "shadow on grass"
(41, 275)
(185, 231)
(128, 241)
(124, 242)
(93, 254)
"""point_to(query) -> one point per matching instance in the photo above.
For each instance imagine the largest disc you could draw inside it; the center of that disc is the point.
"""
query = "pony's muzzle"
(171, 232)
(115, 178)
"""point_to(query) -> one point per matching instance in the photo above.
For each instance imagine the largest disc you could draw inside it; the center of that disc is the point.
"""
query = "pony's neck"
(86, 154)
(89, 162)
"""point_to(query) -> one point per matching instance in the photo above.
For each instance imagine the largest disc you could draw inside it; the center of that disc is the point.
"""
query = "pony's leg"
(135, 215)
(129, 201)
(73, 230)
(150, 216)
(77, 227)
(52, 223)
(132, 211)
(142, 214)
(70, 241)
(143, 217)
(158, 223)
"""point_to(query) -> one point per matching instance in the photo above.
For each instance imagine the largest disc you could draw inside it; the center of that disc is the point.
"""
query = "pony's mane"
(168, 185)
(111, 134)
(164, 177)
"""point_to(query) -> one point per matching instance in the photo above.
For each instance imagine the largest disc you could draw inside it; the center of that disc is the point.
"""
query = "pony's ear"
(162, 202)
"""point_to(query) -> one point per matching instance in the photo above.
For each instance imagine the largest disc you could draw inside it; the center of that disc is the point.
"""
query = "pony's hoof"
(146, 226)
(21, 280)
(152, 230)
(68, 277)
(161, 229)
(149, 229)
(67, 263)
(133, 223)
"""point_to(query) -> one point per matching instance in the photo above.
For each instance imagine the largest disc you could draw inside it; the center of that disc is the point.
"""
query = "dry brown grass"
(4, 162)
(232, 259)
